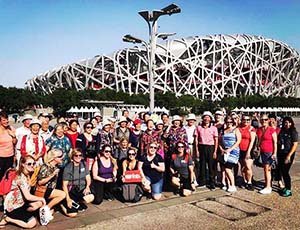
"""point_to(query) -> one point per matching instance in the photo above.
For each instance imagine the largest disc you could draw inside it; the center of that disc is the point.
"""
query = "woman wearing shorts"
(248, 134)
(47, 177)
(19, 204)
(267, 139)
(230, 150)
(152, 167)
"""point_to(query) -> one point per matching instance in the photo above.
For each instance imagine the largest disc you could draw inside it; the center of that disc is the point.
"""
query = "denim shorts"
(266, 158)
(157, 187)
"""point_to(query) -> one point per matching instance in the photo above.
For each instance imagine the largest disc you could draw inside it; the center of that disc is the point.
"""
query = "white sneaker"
(231, 189)
(265, 191)
(224, 188)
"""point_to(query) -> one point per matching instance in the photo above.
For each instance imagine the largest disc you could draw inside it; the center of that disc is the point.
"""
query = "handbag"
(256, 152)
(223, 158)
(256, 149)
(40, 190)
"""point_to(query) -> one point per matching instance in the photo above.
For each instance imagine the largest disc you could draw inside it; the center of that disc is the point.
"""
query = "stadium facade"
(208, 67)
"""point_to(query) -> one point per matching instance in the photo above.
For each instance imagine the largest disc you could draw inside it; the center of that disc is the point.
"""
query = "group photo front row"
(66, 167)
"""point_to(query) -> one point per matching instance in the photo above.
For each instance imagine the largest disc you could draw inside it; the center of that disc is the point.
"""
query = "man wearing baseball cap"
(206, 144)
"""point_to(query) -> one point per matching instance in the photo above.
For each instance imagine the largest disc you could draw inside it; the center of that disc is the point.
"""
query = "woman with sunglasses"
(89, 144)
(288, 142)
(104, 173)
(152, 167)
(130, 163)
(131, 190)
(47, 178)
(76, 183)
(19, 204)
(248, 134)
(182, 167)
(229, 147)
(267, 140)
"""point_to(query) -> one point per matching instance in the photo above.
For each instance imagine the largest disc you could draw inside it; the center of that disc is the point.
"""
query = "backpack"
(132, 192)
(6, 181)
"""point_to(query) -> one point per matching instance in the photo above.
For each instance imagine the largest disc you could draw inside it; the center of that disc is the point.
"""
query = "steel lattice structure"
(209, 67)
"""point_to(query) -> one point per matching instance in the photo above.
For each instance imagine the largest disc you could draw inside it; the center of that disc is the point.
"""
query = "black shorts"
(229, 165)
(186, 183)
(48, 194)
(21, 213)
(243, 155)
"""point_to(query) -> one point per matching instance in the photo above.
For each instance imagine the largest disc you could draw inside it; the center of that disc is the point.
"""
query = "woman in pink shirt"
(7, 144)
(267, 139)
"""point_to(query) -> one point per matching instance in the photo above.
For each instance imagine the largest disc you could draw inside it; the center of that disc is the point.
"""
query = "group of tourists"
(68, 166)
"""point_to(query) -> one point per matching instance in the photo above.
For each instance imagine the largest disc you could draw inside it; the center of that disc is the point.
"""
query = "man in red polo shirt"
(206, 143)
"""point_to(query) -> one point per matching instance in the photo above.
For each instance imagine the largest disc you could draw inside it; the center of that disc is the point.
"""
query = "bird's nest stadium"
(208, 67)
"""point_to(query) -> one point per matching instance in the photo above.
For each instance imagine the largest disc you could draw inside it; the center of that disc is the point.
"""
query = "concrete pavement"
(205, 209)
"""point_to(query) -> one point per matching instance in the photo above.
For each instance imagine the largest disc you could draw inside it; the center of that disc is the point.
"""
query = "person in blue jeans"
(152, 167)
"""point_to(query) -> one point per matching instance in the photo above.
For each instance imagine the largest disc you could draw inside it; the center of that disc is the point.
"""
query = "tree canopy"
(14, 100)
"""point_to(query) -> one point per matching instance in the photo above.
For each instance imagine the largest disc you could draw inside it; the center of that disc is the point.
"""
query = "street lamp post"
(151, 18)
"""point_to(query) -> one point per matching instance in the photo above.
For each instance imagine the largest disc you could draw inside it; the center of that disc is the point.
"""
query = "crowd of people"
(68, 166)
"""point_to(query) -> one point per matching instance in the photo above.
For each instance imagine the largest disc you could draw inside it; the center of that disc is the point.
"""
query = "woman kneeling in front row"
(152, 167)
(19, 204)
(77, 182)
(182, 169)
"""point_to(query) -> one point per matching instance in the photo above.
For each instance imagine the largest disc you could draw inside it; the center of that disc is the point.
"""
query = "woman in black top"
(288, 143)
(152, 167)
(89, 144)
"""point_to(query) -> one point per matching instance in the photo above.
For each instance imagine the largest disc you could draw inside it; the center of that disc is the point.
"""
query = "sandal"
(3, 221)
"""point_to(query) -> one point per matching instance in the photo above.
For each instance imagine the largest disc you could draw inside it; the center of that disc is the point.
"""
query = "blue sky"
(36, 36)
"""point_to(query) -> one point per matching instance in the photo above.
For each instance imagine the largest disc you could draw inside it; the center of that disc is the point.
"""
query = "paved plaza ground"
(205, 209)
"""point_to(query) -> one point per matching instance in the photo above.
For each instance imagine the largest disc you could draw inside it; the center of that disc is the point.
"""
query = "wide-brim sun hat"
(111, 119)
(122, 119)
(191, 116)
(106, 122)
(219, 112)
(27, 117)
(97, 114)
(207, 113)
(159, 122)
(176, 118)
(46, 115)
(35, 122)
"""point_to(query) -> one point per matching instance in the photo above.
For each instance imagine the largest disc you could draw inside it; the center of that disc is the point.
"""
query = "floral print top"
(14, 199)
(63, 144)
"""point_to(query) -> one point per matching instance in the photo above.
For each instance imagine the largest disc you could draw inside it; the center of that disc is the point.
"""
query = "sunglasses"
(78, 155)
(131, 154)
(107, 151)
(60, 156)
(153, 147)
(31, 164)
(265, 119)
(89, 127)
(180, 146)
(229, 122)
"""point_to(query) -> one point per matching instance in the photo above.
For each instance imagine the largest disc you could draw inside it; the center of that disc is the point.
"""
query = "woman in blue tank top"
(230, 141)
